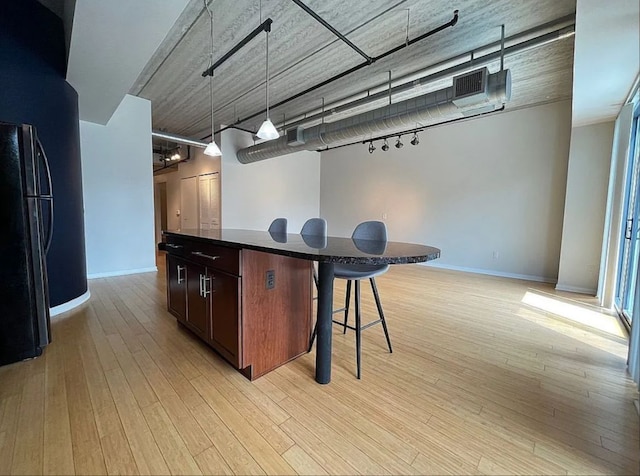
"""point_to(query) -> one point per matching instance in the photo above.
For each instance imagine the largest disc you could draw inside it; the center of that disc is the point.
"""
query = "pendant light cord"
(267, 68)
(206, 5)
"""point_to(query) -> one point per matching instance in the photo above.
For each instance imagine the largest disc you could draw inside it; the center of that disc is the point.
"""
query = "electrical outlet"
(496, 255)
(270, 281)
(384, 216)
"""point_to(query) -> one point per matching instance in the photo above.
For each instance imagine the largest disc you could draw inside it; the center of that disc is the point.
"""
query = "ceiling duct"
(473, 93)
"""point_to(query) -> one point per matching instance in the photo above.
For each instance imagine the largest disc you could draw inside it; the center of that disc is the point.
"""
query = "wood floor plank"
(87, 451)
(235, 455)
(117, 453)
(173, 449)
(146, 453)
(28, 448)
(317, 449)
(186, 425)
(211, 461)
(264, 454)
(138, 384)
(58, 454)
(8, 431)
(302, 462)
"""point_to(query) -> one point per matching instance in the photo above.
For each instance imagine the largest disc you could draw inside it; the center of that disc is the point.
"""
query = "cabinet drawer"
(214, 256)
(176, 246)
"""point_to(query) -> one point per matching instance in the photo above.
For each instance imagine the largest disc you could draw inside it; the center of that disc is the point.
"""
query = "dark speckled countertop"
(331, 249)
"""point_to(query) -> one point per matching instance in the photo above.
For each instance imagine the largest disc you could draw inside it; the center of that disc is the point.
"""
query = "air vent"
(295, 136)
(470, 89)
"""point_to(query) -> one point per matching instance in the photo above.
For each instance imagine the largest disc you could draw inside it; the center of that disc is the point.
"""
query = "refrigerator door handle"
(48, 196)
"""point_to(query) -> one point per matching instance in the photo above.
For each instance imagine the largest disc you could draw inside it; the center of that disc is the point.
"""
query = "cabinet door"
(177, 287)
(198, 314)
(225, 315)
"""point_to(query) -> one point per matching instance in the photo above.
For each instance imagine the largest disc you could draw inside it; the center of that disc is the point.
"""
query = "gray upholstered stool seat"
(359, 271)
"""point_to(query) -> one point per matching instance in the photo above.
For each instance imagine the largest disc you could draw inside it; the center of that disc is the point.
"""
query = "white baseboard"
(576, 289)
(67, 306)
(123, 272)
(491, 272)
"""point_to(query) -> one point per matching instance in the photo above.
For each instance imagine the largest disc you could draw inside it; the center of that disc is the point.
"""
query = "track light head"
(385, 146)
(371, 147)
(399, 144)
(414, 139)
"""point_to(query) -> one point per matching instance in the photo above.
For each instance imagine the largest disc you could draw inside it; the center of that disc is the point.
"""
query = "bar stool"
(278, 226)
(371, 237)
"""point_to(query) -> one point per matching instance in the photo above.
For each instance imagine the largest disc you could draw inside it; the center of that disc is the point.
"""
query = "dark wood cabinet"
(177, 287)
(225, 332)
(253, 308)
(197, 297)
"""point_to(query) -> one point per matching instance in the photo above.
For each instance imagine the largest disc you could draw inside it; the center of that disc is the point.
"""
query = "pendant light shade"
(268, 131)
(212, 149)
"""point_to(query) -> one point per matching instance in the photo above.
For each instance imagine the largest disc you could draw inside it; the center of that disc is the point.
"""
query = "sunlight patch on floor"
(575, 313)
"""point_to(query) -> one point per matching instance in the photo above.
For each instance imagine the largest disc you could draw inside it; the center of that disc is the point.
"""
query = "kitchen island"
(248, 293)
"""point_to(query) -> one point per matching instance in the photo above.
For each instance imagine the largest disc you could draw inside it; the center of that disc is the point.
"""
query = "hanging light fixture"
(267, 130)
(399, 143)
(414, 139)
(385, 146)
(371, 147)
(212, 148)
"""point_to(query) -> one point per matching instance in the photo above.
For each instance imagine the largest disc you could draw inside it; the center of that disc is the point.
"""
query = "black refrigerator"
(26, 227)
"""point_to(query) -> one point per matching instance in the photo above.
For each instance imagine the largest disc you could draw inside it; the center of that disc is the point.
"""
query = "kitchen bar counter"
(330, 250)
(326, 251)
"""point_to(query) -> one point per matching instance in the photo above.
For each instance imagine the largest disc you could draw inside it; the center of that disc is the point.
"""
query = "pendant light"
(267, 130)
(212, 149)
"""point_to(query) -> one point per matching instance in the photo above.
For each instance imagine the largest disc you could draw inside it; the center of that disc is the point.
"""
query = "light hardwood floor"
(488, 375)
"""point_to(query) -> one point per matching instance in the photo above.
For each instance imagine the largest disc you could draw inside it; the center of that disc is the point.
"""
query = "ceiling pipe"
(178, 139)
(463, 66)
(431, 108)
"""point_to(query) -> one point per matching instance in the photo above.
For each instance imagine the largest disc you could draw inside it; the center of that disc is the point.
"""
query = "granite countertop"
(331, 249)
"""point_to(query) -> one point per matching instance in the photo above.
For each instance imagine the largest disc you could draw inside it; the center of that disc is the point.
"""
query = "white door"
(209, 192)
(189, 203)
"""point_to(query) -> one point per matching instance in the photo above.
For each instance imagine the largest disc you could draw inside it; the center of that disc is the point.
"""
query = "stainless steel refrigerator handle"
(49, 196)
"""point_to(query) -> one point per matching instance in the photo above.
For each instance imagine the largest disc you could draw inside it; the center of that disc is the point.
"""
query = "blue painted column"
(33, 90)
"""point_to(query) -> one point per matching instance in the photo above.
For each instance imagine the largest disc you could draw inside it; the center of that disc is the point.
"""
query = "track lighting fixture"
(385, 146)
(371, 147)
(414, 139)
(399, 143)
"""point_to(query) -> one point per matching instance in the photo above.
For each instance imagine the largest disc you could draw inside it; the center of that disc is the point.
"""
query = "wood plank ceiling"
(303, 53)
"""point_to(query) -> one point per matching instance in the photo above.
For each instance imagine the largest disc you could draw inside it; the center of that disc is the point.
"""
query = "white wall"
(585, 204)
(489, 191)
(254, 194)
(118, 191)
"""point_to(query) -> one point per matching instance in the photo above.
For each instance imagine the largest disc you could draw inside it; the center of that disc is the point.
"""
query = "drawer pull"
(172, 246)
(203, 255)
(205, 291)
(204, 279)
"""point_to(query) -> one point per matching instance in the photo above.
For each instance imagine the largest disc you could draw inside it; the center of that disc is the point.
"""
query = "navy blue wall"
(33, 90)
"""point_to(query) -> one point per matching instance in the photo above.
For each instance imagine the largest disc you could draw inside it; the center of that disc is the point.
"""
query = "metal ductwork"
(472, 93)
